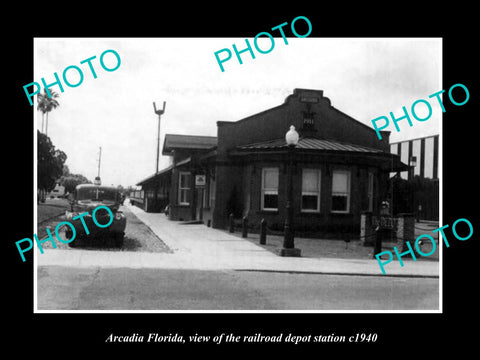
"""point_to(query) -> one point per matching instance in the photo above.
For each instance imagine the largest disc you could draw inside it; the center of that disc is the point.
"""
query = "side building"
(174, 186)
(417, 191)
(341, 169)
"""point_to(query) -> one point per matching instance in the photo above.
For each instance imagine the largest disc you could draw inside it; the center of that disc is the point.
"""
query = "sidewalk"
(200, 247)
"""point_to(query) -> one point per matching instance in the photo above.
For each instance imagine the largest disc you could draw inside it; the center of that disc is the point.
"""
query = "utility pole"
(98, 181)
(99, 160)
(159, 113)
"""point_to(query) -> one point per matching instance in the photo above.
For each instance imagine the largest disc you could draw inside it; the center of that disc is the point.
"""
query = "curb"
(338, 273)
(274, 268)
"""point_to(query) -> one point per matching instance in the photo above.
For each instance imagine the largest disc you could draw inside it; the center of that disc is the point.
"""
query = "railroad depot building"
(340, 170)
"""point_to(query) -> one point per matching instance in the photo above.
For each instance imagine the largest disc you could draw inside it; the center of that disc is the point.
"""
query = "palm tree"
(47, 104)
(42, 104)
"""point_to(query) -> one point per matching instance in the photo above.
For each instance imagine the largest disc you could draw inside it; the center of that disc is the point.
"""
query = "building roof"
(191, 142)
(310, 144)
(154, 177)
(318, 146)
(180, 142)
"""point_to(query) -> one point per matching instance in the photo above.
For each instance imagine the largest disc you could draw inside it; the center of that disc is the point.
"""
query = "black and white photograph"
(238, 189)
(298, 180)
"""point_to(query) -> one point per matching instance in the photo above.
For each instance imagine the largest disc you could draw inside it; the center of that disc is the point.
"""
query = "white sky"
(364, 78)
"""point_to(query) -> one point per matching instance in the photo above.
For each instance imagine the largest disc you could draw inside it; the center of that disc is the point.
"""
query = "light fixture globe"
(413, 161)
(291, 137)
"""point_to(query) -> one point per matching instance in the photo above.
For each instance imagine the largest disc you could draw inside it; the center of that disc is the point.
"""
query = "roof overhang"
(163, 172)
(323, 149)
(175, 142)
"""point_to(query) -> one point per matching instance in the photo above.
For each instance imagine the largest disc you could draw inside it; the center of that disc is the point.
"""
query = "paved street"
(193, 267)
(95, 288)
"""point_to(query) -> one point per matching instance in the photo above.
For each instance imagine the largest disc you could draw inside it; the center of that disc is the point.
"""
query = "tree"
(46, 104)
(65, 170)
(42, 106)
(49, 165)
(72, 180)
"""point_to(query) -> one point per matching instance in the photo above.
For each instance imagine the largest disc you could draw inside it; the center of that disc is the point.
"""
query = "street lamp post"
(159, 112)
(288, 248)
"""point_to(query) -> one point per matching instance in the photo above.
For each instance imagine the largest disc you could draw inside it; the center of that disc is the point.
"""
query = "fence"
(398, 229)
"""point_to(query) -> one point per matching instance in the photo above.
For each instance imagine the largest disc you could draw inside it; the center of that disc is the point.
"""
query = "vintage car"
(86, 198)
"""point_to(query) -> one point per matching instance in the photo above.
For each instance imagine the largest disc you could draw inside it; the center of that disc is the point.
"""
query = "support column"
(422, 158)
(367, 232)
(435, 157)
(411, 172)
(399, 153)
(405, 231)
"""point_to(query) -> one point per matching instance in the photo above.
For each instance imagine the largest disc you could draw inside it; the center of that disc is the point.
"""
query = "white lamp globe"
(291, 137)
